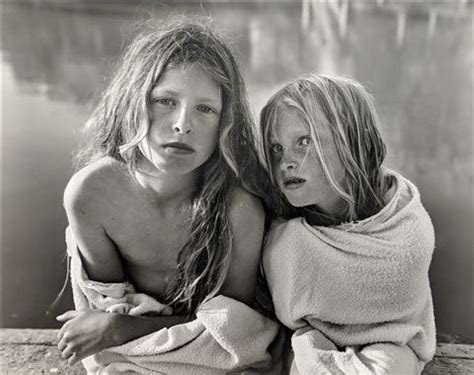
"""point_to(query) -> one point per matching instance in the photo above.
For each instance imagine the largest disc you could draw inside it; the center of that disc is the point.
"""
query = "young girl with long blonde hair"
(347, 257)
(166, 199)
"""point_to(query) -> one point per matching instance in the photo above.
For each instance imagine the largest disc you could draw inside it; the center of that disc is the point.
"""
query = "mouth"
(178, 148)
(293, 183)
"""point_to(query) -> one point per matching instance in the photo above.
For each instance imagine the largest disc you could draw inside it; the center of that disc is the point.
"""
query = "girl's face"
(296, 166)
(185, 108)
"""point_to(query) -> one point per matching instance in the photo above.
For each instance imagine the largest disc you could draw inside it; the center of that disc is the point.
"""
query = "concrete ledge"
(33, 351)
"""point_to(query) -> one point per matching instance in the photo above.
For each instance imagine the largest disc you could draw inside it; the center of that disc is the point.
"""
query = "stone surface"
(451, 359)
(34, 351)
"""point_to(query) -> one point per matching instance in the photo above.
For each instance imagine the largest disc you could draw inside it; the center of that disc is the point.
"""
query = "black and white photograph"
(279, 187)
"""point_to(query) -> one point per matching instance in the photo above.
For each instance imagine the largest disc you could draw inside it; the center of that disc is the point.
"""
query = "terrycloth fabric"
(227, 336)
(347, 286)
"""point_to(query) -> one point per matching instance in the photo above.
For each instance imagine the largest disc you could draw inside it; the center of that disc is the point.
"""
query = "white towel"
(227, 336)
(355, 284)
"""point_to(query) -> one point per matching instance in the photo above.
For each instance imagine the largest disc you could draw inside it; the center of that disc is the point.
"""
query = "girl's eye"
(168, 102)
(275, 149)
(206, 109)
(305, 141)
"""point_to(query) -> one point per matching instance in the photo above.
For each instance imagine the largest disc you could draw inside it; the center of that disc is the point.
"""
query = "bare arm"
(90, 331)
(87, 203)
(247, 222)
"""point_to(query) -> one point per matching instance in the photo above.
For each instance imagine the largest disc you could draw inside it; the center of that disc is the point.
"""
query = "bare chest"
(148, 244)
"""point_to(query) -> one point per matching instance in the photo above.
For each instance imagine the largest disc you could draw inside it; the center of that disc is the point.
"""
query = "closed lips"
(179, 145)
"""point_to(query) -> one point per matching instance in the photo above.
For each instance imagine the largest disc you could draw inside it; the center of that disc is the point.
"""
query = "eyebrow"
(203, 99)
(296, 135)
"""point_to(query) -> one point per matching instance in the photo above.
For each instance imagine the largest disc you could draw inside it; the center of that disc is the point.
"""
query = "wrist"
(116, 329)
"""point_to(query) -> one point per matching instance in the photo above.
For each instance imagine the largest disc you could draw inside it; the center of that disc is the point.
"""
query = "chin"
(179, 167)
(298, 201)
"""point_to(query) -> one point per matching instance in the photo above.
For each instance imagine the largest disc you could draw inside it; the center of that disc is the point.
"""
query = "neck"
(333, 207)
(323, 215)
(166, 189)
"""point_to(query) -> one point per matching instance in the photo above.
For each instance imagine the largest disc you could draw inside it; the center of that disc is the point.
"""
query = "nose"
(287, 163)
(182, 124)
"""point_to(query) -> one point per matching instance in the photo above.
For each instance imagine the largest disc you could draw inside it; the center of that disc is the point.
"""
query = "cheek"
(211, 145)
(208, 139)
(157, 129)
(309, 160)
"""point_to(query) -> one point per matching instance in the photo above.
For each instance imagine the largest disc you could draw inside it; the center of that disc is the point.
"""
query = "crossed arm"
(87, 332)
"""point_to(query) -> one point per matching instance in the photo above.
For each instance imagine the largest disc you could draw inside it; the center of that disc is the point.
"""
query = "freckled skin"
(294, 155)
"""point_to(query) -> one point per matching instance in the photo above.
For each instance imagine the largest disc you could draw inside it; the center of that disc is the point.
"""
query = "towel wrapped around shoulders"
(227, 336)
(355, 284)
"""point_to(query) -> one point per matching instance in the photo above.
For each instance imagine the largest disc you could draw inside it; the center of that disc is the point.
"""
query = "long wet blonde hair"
(345, 107)
(122, 120)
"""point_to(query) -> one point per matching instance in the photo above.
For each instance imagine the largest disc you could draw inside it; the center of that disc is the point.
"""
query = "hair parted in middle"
(122, 120)
(348, 110)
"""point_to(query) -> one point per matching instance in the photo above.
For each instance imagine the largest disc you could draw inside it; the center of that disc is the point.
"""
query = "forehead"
(188, 78)
(288, 124)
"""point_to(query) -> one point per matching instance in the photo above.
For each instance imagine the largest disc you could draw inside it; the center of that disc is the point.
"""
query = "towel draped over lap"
(355, 284)
(227, 336)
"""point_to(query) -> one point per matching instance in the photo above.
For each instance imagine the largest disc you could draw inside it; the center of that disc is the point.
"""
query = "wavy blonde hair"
(348, 110)
(122, 120)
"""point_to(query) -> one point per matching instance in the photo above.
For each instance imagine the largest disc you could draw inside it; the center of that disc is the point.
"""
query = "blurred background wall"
(415, 57)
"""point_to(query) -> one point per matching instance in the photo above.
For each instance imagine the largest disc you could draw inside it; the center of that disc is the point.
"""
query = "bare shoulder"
(93, 185)
(89, 199)
(245, 209)
(247, 220)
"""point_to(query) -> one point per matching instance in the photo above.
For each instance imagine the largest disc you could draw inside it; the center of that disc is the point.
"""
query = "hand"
(85, 333)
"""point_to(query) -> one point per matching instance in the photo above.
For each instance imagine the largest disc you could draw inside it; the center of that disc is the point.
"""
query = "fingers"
(62, 345)
(70, 344)
(67, 352)
(120, 308)
(72, 359)
(68, 315)
(70, 355)
(62, 333)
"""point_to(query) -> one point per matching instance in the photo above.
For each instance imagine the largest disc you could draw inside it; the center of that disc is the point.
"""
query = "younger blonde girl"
(347, 257)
